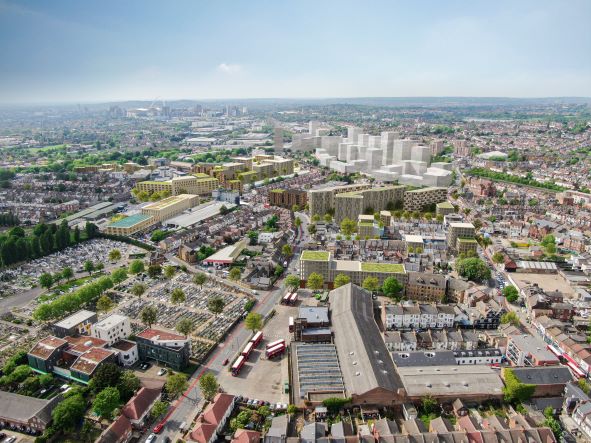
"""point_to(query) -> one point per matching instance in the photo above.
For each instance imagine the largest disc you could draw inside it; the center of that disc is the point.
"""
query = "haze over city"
(71, 51)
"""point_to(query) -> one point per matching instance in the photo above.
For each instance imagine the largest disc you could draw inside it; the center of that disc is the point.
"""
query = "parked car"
(151, 438)
(162, 371)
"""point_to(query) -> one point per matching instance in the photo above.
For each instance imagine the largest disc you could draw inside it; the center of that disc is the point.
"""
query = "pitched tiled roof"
(216, 410)
(202, 432)
(140, 403)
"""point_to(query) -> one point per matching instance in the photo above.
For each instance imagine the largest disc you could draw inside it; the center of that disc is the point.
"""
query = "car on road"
(225, 362)
(158, 428)
(151, 438)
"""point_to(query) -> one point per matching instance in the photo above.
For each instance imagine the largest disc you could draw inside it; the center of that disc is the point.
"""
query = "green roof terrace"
(130, 221)
(387, 268)
(315, 255)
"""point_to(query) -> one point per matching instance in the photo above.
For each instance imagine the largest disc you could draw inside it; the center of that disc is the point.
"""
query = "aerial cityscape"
(273, 222)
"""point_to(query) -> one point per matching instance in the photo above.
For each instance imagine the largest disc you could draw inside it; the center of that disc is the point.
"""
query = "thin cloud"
(229, 68)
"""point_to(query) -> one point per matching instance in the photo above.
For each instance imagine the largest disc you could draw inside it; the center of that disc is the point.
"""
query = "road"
(184, 408)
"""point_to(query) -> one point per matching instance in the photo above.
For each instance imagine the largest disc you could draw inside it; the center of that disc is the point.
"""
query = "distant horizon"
(159, 100)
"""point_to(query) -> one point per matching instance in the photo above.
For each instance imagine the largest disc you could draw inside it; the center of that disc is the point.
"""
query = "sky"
(113, 50)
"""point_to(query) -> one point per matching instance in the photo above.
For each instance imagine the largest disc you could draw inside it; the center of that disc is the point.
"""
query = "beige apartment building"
(417, 200)
(197, 184)
(322, 262)
(171, 206)
(460, 231)
(321, 200)
(351, 204)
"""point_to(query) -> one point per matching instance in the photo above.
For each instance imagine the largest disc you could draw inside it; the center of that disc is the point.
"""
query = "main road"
(182, 411)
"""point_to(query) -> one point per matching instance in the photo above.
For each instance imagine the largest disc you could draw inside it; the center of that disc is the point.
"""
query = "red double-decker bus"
(275, 343)
(247, 350)
(256, 338)
(237, 366)
(285, 299)
(275, 350)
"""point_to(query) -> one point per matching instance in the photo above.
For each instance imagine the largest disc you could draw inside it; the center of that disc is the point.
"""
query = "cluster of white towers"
(386, 157)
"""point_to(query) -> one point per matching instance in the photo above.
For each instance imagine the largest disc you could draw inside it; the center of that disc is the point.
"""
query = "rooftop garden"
(315, 255)
(383, 267)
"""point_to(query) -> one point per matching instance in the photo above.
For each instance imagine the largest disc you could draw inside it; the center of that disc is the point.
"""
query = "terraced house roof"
(315, 255)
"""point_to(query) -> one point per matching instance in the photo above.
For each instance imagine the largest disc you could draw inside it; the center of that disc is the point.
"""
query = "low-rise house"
(139, 406)
(86, 365)
(550, 381)
(28, 414)
(128, 353)
(120, 431)
(213, 419)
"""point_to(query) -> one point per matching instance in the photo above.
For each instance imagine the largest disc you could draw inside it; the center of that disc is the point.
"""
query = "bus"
(285, 299)
(247, 350)
(275, 343)
(290, 324)
(256, 338)
(275, 350)
(237, 366)
(293, 298)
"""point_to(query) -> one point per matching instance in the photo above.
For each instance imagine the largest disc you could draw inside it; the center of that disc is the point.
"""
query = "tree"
(154, 271)
(223, 210)
(253, 321)
(312, 229)
(119, 275)
(45, 380)
(128, 384)
(428, 404)
(341, 280)
(516, 392)
(68, 413)
(372, 284)
(391, 287)
(473, 269)
(292, 409)
(327, 218)
(46, 280)
(510, 317)
(348, 226)
(99, 266)
(297, 222)
(106, 401)
(316, 218)
(114, 255)
(279, 270)
(158, 236)
(199, 279)
(334, 404)
(286, 251)
(176, 383)
(148, 315)
(104, 303)
(67, 273)
(292, 282)
(235, 274)
(105, 376)
(511, 294)
(548, 240)
(185, 326)
(169, 271)
(241, 420)
(89, 267)
(177, 296)
(138, 289)
(209, 385)
(253, 237)
(315, 281)
(136, 266)
(216, 305)
(159, 409)
(498, 258)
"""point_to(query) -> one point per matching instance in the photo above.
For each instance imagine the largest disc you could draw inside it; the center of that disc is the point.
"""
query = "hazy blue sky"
(85, 50)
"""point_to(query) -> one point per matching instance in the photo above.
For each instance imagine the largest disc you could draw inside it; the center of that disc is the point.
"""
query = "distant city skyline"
(68, 51)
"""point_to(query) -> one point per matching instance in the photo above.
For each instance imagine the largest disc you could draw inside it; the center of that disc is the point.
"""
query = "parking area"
(7, 435)
(550, 282)
(264, 378)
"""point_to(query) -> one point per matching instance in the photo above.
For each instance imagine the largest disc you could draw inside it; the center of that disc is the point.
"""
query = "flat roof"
(198, 214)
(315, 255)
(461, 225)
(456, 380)
(169, 201)
(75, 319)
(409, 238)
(393, 268)
(314, 314)
(227, 254)
(130, 221)
(110, 321)
(446, 205)
(541, 265)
